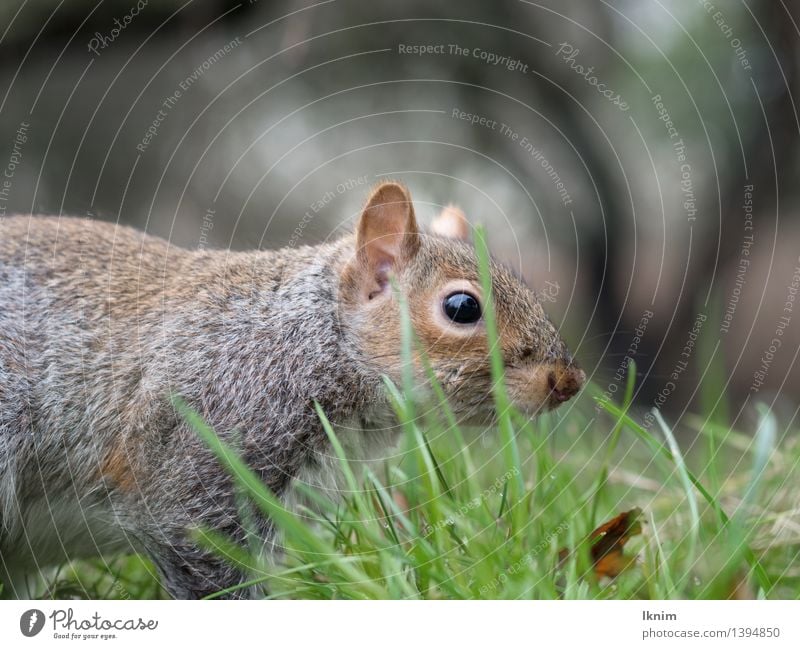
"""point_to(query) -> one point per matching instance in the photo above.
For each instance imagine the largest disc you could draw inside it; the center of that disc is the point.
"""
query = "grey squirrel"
(101, 324)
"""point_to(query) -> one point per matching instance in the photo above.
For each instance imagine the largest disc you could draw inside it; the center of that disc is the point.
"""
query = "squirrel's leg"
(189, 572)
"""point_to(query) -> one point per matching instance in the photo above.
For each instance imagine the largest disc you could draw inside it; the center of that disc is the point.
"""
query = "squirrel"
(101, 325)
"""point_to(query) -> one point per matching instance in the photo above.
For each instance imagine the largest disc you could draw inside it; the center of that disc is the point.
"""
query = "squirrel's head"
(437, 272)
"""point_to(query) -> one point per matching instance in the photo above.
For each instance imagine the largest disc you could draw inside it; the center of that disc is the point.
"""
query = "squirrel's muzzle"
(535, 387)
(563, 383)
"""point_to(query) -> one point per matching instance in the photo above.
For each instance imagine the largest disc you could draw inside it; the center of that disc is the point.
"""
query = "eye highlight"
(462, 308)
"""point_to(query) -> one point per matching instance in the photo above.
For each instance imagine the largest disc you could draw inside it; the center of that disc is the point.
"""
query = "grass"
(441, 520)
(461, 514)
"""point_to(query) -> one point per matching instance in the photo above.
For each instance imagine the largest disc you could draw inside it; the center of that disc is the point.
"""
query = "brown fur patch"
(117, 470)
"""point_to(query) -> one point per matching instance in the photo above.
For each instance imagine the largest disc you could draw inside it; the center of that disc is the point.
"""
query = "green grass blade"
(611, 447)
(683, 474)
(502, 402)
(270, 505)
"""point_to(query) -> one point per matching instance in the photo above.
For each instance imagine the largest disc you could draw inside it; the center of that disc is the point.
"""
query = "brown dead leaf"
(608, 542)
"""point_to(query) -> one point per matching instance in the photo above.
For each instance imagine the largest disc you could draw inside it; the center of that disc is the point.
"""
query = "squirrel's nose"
(565, 383)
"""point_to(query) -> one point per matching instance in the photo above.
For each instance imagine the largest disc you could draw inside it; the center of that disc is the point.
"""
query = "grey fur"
(100, 325)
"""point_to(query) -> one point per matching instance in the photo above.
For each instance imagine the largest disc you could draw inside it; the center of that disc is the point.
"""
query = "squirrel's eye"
(462, 308)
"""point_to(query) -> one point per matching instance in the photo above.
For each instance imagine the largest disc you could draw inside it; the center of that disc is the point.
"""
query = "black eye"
(462, 308)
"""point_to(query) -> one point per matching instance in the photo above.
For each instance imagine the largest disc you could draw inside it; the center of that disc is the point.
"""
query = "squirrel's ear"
(387, 235)
(451, 223)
